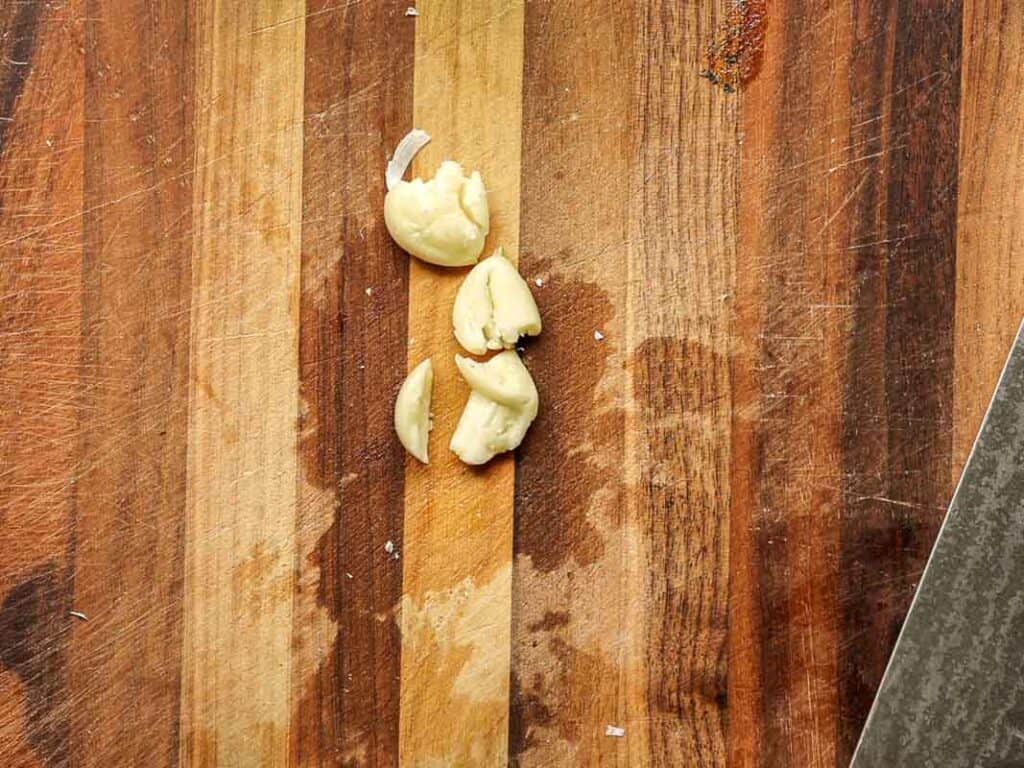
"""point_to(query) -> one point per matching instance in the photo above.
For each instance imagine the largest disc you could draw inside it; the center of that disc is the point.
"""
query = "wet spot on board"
(542, 732)
(34, 621)
(261, 581)
(350, 700)
(556, 479)
(735, 56)
(326, 561)
(459, 635)
(675, 379)
(682, 394)
(549, 621)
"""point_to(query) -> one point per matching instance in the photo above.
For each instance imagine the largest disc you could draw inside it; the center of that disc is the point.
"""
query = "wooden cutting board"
(773, 316)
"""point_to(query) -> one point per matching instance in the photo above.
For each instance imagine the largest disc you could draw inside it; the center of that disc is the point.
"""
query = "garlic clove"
(412, 410)
(501, 407)
(443, 220)
(494, 307)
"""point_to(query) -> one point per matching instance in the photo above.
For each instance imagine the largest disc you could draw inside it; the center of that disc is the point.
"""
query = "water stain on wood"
(34, 622)
(682, 394)
(17, 42)
(569, 497)
(553, 521)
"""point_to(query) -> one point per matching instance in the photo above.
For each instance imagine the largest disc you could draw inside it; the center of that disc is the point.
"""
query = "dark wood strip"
(849, 193)
(569, 587)
(898, 404)
(18, 30)
(358, 104)
(125, 661)
(41, 87)
(791, 316)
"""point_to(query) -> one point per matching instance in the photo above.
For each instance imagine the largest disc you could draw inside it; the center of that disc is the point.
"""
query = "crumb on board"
(369, 291)
(539, 282)
(349, 575)
(79, 615)
(614, 731)
(598, 336)
(391, 549)
(411, 11)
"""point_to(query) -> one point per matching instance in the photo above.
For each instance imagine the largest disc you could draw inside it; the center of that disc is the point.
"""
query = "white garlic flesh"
(501, 406)
(442, 221)
(494, 307)
(412, 410)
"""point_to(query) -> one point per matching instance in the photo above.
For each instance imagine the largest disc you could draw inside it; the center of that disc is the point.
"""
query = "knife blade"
(953, 692)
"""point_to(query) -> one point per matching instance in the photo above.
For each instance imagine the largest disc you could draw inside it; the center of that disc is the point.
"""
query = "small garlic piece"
(502, 405)
(442, 221)
(412, 410)
(494, 307)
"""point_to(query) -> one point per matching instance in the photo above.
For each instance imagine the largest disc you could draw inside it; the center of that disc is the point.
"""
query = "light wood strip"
(990, 221)
(681, 254)
(456, 605)
(240, 542)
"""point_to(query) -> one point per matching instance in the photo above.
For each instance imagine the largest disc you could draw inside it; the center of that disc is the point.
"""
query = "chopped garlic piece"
(443, 220)
(412, 410)
(494, 307)
(502, 405)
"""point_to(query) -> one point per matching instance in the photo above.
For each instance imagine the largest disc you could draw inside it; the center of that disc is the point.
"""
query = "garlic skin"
(494, 307)
(442, 221)
(412, 410)
(501, 407)
(407, 149)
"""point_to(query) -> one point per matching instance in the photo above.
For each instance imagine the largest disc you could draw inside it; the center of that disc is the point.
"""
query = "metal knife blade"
(953, 692)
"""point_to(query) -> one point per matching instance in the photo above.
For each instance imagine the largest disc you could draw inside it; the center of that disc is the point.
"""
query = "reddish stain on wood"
(133, 418)
(734, 58)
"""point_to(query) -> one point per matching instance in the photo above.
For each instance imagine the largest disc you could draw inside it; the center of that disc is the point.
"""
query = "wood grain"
(788, 396)
(572, 551)
(682, 262)
(898, 407)
(358, 103)
(845, 320)
(457, 557)
(242, 452)
(620, 584)
(42, 81)
(134, 393)
(990, 235)
(805, 291)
